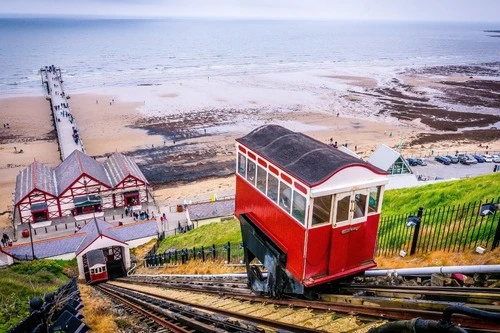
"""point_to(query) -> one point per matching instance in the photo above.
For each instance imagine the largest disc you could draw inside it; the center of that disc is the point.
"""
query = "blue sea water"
(96, 53)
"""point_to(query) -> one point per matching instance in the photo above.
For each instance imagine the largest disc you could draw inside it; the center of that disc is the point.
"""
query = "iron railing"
(452, 229)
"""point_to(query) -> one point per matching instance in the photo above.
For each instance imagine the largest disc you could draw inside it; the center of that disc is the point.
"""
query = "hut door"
(348, 234)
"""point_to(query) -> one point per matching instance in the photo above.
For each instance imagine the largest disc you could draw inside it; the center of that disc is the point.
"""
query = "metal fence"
(231, 253)
(57, 312)
(475, 225)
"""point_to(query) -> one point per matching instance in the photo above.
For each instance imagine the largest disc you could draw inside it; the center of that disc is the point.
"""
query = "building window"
(299, 207)
(321, 209)
(272, 187)
(251, 171)
(285, 197)
(373, 201)
(261, 179)
(241, 164)
(399, 167)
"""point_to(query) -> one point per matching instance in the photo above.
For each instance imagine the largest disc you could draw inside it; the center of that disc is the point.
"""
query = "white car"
(488, 158)
(496, 158)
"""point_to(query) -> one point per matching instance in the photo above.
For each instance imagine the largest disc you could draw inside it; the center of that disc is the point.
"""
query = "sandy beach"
(182, 133)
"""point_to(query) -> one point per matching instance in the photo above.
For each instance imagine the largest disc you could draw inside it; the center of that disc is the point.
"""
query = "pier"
(68, 134)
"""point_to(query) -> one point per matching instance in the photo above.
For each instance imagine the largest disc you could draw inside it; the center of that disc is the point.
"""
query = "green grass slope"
(21, 282)
(441, 194)
(214, 233)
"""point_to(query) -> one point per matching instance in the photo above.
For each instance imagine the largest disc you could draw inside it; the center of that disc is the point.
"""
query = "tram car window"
(308, 211)
(272, 187)
(261, 179)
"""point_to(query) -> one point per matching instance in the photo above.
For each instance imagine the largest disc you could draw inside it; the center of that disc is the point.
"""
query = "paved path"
(67, 131)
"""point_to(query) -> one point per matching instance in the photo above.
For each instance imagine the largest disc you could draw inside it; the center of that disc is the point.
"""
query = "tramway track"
(181, 316)
(391, 305)
(217, 285)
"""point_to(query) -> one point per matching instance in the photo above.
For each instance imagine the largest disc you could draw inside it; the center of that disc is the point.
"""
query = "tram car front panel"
(97, 266)
(317, 206)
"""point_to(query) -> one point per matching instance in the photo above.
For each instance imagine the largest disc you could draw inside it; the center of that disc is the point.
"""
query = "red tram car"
(308, 212)
(97, 266)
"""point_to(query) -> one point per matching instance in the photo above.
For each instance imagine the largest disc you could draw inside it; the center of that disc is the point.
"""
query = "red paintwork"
(300, 188)
(331, 254)
(286, 178)
(287, 233)
(103, 276)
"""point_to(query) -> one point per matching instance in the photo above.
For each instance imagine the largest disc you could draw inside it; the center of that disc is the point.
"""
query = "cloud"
(442, 10)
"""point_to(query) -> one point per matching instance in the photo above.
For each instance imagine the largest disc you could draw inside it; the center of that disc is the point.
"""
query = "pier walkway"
(64, 122)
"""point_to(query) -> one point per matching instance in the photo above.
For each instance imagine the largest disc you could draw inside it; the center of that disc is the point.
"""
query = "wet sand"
(182, 133)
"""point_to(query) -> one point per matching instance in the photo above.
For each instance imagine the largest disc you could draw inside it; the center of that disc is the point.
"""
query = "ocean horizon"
(95, 53)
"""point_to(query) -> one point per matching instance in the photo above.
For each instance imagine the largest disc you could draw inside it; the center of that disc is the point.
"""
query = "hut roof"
(94, 229)
(208, 210)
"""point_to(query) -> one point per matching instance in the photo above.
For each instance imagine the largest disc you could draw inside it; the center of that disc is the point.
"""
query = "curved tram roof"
(303, 157)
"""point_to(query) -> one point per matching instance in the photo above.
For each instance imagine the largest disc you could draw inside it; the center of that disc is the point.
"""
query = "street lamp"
(31, 240)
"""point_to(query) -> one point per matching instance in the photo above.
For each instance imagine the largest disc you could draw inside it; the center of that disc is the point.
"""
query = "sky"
(398, 10)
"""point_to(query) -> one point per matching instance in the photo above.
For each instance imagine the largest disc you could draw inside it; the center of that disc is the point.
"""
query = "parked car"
(496, 158)
(479, 158)
(453, 159)
(421, 161)
(466, 160)
(487, 158)
(471, 159)
(412, 161)
(442, 159)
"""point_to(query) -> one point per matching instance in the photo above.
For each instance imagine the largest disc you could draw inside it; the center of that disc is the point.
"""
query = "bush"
(32, 267)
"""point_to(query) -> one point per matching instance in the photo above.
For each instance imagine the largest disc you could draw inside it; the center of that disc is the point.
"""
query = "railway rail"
(182, 316)
(376, 302)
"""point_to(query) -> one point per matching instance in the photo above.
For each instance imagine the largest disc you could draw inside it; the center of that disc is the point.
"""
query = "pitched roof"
(74, 166)
(138, 230)
(384, 157)
(36, 176)
(47, 248)
(303, 157)
(94, 229)
(77, 242)
(2, 251)
(211, 209)
(119, 167)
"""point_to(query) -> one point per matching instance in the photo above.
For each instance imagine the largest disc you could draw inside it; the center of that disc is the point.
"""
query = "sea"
(93, 53)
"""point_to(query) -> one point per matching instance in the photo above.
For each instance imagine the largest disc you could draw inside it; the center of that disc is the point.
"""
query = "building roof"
(77, 242)
(138, 230)
(213, 209)
(36, 176)
(303, 157)
(74, 166)
(2, 251)
(384, 157)
(94, 229)
(47, 248)
(119, 167)
(55, 181)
